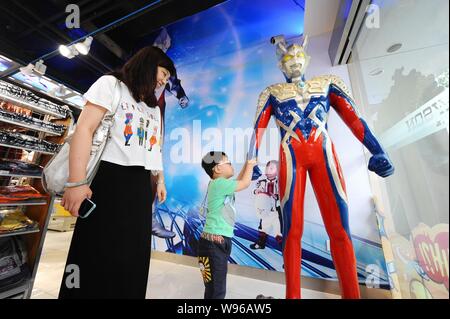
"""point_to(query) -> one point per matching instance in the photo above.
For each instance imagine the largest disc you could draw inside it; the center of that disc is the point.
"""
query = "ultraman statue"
(301, 109)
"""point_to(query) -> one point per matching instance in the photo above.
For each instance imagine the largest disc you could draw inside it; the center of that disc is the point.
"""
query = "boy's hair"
(210, 160)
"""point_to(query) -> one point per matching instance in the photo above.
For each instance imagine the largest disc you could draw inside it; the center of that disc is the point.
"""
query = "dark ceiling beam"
(88, 14)
(62, 15)
(48, 37)
(138, 12)
(106, 41)
(65, 37)
(100, 13)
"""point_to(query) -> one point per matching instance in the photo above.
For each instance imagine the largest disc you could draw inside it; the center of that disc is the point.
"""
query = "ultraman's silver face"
(294, 62)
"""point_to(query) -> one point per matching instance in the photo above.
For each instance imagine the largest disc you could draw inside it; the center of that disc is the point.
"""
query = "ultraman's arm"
(344, 105)
(262, 118)
(174, 87)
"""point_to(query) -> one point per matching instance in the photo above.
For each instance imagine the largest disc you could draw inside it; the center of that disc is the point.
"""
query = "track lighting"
(39, 68)
(68, 51)
(85, 46)
(27, 70)
(75, 49)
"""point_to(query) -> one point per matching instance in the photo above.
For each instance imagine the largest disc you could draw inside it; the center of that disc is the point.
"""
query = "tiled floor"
(166, 280)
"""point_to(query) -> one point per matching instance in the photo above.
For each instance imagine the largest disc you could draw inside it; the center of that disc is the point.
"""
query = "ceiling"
(414, 23)
(31, 29)
(423, 32)
(320, 16)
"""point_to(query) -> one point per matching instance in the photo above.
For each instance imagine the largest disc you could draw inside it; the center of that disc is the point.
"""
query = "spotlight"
(85, 46)
(40, 67)
(27, 70)
(68, 52)
(58, 91)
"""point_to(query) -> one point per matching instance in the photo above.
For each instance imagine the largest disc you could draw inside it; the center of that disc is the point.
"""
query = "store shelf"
(15, 291)
(31, 106)
(29, 203)
(31, 127)
(29, 149)
(19, 232)
(19, 175)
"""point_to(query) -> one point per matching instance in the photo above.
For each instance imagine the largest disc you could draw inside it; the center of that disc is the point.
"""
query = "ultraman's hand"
(184, 102)
(256, 173)
(381, 165)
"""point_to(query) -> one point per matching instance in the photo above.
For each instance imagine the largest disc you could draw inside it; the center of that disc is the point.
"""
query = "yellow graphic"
(205, 269)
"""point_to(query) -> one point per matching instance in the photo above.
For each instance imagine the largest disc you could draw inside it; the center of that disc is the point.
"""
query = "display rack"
(39, 210)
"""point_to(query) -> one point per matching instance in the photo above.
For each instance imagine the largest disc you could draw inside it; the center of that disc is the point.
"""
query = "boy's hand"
(252, 162)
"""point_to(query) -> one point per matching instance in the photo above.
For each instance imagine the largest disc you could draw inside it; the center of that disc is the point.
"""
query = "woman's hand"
(161, 192)
(73, 197)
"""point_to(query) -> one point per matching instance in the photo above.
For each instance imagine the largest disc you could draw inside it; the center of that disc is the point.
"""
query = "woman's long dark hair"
(139, 73)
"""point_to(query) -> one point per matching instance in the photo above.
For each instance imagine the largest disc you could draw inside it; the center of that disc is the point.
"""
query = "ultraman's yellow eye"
(287, 57)
(300, 55)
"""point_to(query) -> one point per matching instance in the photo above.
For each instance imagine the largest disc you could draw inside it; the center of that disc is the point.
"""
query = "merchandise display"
(8, 90)
(301, 109)
(26, 120)
(19, 168)
(27, 142)
(33, 123)
(14, 268)
(19, 194)
(13, 221)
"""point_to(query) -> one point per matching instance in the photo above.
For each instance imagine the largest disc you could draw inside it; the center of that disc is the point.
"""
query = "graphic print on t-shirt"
(153, 139)
(147, 123)
(133, 126)
(140, 131)
(128, 132)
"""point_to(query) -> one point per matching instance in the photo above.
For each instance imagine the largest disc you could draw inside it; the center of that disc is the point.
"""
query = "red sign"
(431, 246)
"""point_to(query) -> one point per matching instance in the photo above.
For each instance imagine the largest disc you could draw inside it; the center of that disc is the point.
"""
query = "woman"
(110, 249)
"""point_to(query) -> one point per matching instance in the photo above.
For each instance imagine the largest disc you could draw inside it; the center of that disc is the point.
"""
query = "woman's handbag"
(56, 173)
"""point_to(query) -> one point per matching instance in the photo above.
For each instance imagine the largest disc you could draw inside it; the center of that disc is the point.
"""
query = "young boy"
(215, 241)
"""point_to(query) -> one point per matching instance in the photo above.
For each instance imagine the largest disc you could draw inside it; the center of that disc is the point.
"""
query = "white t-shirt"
(136, 133)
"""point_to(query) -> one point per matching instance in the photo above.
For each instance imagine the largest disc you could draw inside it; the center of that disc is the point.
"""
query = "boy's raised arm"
(245, 176)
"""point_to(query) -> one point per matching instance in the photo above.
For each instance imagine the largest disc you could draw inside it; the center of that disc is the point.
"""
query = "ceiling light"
(68, 52)
(27, 70)
(376, 72)
(85, 46)
(40, 67)
(394, 48)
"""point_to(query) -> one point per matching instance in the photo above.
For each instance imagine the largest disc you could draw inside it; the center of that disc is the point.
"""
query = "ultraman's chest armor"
(301, 107)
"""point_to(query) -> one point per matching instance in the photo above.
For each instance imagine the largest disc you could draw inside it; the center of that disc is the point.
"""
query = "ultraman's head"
(293, 59)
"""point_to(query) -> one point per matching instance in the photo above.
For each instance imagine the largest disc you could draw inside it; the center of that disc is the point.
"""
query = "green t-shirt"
(221, 214)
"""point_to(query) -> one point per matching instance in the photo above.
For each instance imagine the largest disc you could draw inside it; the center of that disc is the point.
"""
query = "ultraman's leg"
(329, 187)
(292, 193)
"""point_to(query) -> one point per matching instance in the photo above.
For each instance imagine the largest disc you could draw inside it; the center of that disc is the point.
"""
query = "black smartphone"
(86, 208)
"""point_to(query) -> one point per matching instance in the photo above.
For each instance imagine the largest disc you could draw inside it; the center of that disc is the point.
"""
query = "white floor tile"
(166, 280)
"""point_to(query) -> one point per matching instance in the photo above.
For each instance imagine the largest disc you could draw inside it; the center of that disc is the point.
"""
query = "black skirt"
(111, 247)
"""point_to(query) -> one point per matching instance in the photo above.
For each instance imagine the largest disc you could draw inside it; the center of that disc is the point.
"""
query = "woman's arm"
(80, 149)
(161, 191)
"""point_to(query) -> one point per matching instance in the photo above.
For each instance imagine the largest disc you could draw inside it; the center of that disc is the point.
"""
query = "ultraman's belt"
(214, 238)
